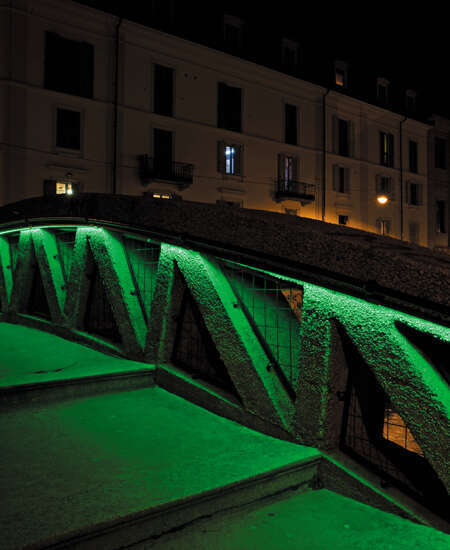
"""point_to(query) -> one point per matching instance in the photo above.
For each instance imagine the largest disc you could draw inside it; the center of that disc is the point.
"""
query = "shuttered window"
(386, 149)
(413, 157)
(414, 194)
(229, 157)
(341, 179)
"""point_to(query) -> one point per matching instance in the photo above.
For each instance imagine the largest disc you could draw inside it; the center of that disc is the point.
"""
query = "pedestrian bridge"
(324, 336)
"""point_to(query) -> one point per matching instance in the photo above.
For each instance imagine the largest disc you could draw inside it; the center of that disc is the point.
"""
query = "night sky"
(411, 49)
(408, 46)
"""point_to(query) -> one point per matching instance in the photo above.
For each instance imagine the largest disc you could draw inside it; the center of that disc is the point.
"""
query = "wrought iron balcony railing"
(179, 173)
(294, 190)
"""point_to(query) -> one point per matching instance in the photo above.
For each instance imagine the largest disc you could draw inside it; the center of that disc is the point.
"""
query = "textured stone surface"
(318, 520)
(380, 263)
(81, 462)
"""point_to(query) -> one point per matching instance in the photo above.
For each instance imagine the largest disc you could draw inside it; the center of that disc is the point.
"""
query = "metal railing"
(151, 168)
(290, 189)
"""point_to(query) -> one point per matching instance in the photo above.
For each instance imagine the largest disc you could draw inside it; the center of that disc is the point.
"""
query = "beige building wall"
(28, 123)
(439, 185)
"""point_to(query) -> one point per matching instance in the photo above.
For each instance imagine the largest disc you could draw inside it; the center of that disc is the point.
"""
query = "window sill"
(69, 152)
(233, 177)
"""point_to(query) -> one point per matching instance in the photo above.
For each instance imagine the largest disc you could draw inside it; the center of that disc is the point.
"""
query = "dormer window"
(233, 32)
(289, 55)
(340, 74)
(410, 101)
(383, 91)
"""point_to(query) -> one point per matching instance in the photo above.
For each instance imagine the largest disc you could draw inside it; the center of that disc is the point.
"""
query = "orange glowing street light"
(382, 199)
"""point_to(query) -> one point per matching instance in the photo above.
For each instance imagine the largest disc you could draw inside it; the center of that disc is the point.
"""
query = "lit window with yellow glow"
(396, 431)
(161, 196)
(64, 188)
(340, 81)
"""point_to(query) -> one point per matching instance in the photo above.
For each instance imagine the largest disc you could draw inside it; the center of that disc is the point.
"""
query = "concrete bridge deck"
(109, 470)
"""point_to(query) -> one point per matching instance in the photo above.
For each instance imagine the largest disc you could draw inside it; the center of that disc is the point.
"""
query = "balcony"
(154, 169)
(294, 190)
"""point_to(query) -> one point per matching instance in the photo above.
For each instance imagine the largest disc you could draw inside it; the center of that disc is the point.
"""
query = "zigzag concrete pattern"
(311, 327)
(417, 390)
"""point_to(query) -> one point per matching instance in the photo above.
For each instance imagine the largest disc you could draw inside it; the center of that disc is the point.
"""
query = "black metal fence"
(99, 319)
(374, 434)
(194, 350)
(286, 188)
(65, 241)
(176, 172)
(143, 258)
(274, 310)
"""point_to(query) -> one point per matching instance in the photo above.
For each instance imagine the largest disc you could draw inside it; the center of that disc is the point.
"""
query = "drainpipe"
(324, 156)
(116, 109)
(401, 178)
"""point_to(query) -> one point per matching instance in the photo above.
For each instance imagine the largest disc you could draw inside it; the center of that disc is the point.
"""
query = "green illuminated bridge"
(126, 322)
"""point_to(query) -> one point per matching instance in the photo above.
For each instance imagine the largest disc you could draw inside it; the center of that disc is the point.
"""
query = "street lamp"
(382, 199)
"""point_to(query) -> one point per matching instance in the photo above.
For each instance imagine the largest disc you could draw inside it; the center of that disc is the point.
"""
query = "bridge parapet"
(287, 351)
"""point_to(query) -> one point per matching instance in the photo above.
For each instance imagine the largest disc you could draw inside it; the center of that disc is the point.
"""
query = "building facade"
(91, 102)
(438, 183)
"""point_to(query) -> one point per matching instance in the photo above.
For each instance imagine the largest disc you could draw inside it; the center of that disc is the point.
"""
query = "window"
(290, 124)
(162, 195)
(162, 153)
(414, 193)
(413, 157)
(69, 66)
(383, 226)
(343, 220)
(229, 158)
(343, 137)
(384, 186)
(440, 217)
(340, 78)
(68, 129)
(340, 74)
(229, 107)
(289, 55)
(383, 91)
(341, 180)
(395, 429)
(233, 32)
(440, 153)
(386, 149)
(287, 171)
(61, 187)
(163, 90)
(343, 140)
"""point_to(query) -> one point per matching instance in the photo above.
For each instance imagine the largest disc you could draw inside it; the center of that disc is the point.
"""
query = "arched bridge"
(318, 334)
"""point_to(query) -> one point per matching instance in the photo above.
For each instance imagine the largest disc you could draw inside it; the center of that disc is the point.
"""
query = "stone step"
(160, 521)
(56, 390)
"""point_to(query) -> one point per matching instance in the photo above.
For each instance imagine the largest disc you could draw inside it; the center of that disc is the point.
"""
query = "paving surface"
(74, 463)
(30, 356)
(317, 520)
(78, 462)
